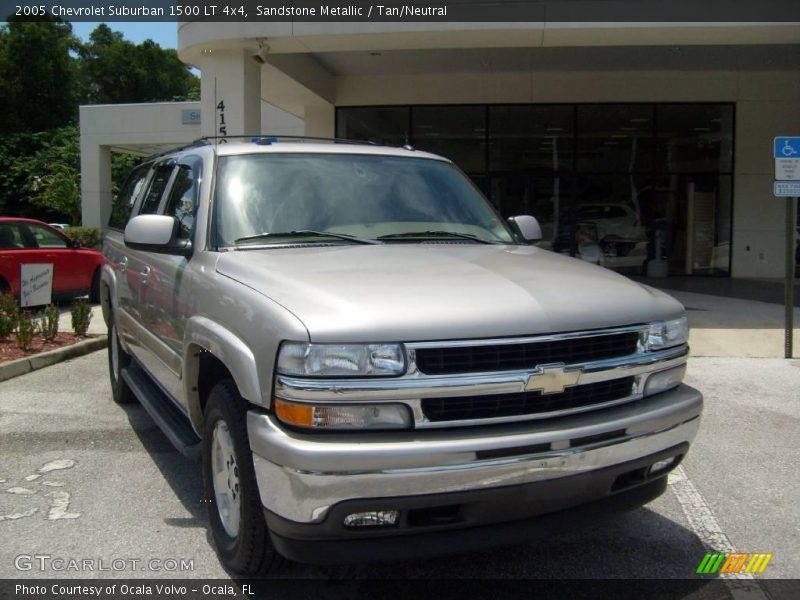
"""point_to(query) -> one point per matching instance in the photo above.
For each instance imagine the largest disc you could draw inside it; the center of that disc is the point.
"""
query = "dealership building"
(632, 143)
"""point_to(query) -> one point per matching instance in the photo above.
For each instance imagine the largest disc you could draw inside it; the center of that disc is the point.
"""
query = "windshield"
(402, 200)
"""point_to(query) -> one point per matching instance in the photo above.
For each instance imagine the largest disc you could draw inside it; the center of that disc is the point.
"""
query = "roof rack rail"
(193, 144)
(270, 137)
(261, 138)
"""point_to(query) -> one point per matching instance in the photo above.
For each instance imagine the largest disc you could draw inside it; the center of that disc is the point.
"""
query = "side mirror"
(156, 233)
(74, 244)
(527, 227)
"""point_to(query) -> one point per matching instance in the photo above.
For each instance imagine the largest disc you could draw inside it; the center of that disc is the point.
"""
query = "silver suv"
(372, 363)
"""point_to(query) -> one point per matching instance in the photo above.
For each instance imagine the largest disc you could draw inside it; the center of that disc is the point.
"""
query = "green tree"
(48, 175)
(115, 70)
(37, 75)
(44, 73)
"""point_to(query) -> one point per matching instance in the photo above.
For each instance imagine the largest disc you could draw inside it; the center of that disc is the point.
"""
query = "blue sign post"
(786, 151)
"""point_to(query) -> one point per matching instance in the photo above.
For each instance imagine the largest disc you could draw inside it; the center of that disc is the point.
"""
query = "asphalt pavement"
(82, 478)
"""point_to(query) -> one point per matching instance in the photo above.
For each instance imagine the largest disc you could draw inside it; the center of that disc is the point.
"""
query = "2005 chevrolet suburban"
(372, 363)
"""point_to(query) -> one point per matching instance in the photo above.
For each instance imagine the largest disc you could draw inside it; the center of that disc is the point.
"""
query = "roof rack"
(269, 138)
(264, 139)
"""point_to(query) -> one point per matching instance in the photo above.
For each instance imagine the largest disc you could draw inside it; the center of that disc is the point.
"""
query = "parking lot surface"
(84, 478)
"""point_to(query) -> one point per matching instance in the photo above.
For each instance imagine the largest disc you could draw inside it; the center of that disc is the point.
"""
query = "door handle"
(123, 264)
(145, 275)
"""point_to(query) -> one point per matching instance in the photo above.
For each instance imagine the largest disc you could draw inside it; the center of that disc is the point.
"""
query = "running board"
(167, 416)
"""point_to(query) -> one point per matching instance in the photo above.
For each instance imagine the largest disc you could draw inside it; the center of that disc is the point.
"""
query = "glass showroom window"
(457, 132)
(382, 125)
(626, 186)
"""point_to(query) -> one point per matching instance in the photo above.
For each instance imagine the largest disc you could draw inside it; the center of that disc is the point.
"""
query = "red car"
(76, 270)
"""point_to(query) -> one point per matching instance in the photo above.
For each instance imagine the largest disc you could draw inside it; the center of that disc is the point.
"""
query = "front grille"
(525, 403)
(510, 357)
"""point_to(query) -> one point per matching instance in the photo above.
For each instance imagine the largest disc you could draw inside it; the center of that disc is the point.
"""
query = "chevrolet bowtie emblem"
(552, 379)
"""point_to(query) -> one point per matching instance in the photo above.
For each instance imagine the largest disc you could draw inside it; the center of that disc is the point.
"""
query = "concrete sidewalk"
(734, 327)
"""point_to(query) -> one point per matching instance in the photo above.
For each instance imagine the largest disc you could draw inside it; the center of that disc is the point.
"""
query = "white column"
(95, 183)
(230, 93)
(320, 120)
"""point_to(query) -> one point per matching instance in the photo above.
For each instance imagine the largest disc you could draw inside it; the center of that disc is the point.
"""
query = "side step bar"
(167, 416)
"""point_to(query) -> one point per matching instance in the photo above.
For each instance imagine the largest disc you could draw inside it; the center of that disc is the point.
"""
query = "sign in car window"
(35, 284)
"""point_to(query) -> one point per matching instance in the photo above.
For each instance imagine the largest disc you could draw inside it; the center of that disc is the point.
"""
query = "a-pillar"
(230, 93)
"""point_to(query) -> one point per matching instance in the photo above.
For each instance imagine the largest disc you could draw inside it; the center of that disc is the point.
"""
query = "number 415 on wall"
(222, 131)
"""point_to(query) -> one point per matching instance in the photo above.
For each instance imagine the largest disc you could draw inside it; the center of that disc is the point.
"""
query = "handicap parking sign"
(787, 158)
(787, 147)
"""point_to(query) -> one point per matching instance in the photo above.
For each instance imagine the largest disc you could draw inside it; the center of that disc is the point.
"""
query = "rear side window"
(122, 206)
(157, 186)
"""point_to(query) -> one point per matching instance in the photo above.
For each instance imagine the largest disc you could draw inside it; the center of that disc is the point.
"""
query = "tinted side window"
(156, 190)
(10, 236)
(183, 197)
(45, 238)
(121, 208)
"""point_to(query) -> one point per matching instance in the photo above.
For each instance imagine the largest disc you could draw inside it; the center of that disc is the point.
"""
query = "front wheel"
(234, 506)
(118, 359)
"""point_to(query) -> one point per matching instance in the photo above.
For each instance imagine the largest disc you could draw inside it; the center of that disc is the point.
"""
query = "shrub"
(26, 329)
(9, 315)
(50, 323)
(88, 237)
(81, 312)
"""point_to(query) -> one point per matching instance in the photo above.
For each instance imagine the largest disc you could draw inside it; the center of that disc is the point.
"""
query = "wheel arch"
(211, 353)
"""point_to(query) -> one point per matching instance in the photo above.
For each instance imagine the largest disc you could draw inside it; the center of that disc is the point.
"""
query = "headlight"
(665, 334)
(343, 416)
(341, 360)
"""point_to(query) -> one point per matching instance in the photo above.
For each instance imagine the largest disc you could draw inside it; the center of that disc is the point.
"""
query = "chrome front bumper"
(301, 476)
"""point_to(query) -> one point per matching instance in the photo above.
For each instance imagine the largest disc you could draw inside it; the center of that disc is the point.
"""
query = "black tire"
(4, 287)
(248, 551)
(94, 293)
(120, 392)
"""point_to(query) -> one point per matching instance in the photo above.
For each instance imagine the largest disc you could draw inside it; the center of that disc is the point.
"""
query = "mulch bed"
(9, 350)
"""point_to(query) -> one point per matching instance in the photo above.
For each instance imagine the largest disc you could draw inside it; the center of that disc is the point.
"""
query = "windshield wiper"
(434, 234)
(303, 233)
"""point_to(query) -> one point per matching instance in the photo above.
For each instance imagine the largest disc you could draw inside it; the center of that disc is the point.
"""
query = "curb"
(21, 366)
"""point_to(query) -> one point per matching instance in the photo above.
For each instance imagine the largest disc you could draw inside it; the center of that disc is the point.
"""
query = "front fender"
(204, 335)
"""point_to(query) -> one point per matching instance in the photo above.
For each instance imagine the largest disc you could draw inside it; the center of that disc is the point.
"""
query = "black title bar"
(375, 11)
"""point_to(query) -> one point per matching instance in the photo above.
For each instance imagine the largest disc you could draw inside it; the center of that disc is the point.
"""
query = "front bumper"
(302, 477)
(483, 519)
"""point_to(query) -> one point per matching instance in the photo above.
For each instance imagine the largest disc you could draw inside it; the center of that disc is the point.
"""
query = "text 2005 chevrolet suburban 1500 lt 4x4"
(372, 363)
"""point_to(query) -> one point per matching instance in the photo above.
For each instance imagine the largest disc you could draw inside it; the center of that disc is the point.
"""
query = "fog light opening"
(373, 518)
(662, 466)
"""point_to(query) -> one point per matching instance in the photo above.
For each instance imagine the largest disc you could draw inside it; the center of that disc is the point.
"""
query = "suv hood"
(417, 292)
